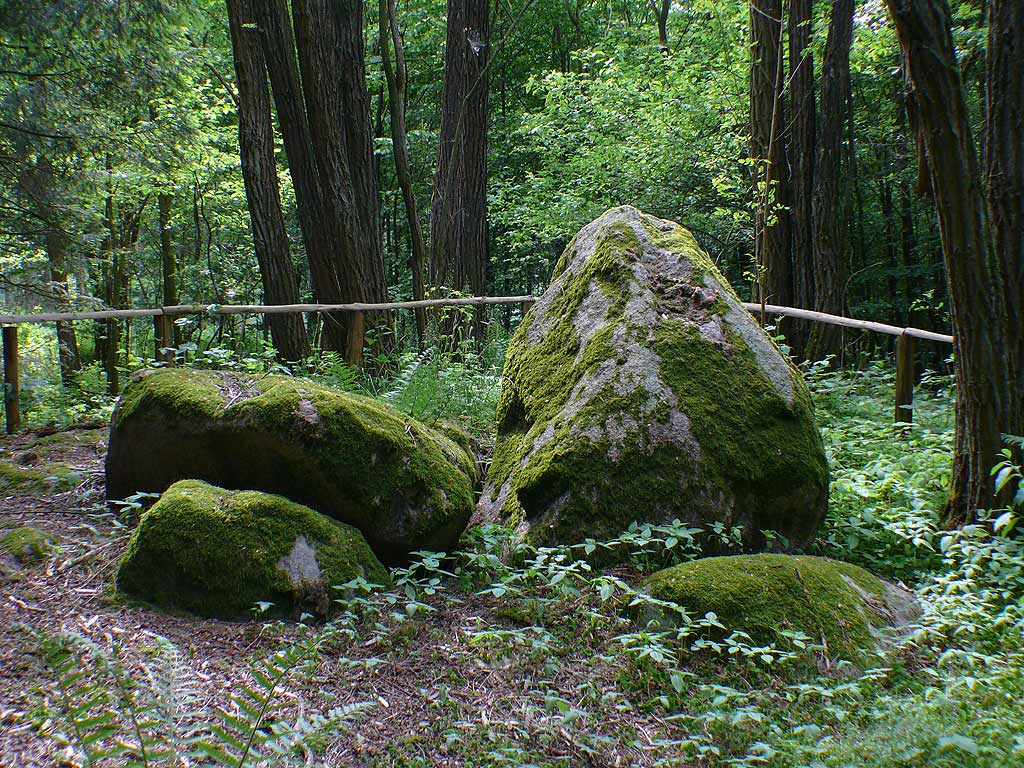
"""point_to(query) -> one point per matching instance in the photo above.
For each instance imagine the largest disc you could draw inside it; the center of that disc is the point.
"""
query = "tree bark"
(830, 208)
(329, 40)
(259, 173)
(395, 76)
(768, 154)
(67, 339)
(1004, 179)
(458, 213)
(976, 290)
(314, 219)
(801, 151)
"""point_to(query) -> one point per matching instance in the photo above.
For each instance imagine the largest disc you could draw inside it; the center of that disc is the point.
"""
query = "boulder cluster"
(637, 388)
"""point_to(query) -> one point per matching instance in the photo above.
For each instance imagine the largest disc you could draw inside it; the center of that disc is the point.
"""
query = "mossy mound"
(36, 478)
(639, 388)
(27, 545)
(839, 605)
(216, 553)
(404, 485)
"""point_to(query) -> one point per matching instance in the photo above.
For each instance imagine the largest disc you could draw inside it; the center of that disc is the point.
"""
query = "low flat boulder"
(638, 388)
(404, 485)
(28, 545)
(217, 553)
(838, 605)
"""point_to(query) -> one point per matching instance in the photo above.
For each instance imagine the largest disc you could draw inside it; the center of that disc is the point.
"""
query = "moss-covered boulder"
(840, 606)
(639, 388)
(404, 485)
(28, 545)
(218, 553)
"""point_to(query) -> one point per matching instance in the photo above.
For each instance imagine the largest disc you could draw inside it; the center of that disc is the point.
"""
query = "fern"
(148, 717)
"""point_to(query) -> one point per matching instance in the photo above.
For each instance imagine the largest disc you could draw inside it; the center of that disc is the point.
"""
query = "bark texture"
(800, 151)
(768, 153)
(325, 122)
(395, 76)
(981, 320)
(830, 208)
(458, 214)
(259, 173)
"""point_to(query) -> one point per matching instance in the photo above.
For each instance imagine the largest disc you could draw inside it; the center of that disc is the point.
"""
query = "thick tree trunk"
(259, 172)
(1004, 178)
(314, 219)
(458, 213)
(830, 207)
(976, 290)
(395, 76)
(768, 154)
(330, 47)
(801, 151)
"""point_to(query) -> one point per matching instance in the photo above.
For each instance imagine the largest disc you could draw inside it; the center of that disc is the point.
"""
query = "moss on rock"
(216, 553)
(28, 545)
(839, 605)
(639, 388)
(406, 486)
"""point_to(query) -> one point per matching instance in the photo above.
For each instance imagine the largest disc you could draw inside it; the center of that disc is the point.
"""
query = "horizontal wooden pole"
(256, 309)
(275, 309)
(848, 322)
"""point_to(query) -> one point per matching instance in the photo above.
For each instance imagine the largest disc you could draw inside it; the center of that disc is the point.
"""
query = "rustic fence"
(163, 321)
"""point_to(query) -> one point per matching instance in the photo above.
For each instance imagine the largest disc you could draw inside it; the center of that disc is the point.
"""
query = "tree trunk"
(801, 150)
(767, 153)
(329, 39)
(830, 207)
(395, 76)
(976, 289)
(259, 172)
(458, 213)
(67, 340)
(661, 14)
(1004, 178)
(314, 220)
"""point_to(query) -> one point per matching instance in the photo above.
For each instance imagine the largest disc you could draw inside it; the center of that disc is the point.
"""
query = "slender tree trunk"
(458, 213)
(395, 76)
(164, 203)
(661, 14)
(977, 298)
(801, 151)
(830, 207)
(259, 172)
(768, 154)
(67, 339)
(908, 237)
(111, 337)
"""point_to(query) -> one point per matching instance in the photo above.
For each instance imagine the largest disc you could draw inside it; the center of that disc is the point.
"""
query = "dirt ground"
(429, 700)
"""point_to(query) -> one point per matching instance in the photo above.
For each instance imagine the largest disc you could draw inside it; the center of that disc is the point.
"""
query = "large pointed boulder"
(639, 388)
(404, 485)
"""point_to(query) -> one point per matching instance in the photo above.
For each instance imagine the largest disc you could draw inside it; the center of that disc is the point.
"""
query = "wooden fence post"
(524, 307)
(356, 339)
(904, 410)
(12, 387)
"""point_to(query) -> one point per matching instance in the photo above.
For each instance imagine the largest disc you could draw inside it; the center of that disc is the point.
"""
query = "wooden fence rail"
(903, 411)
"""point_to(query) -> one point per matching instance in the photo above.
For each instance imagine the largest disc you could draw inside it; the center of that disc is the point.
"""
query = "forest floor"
(427, 701)
(477, 662)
